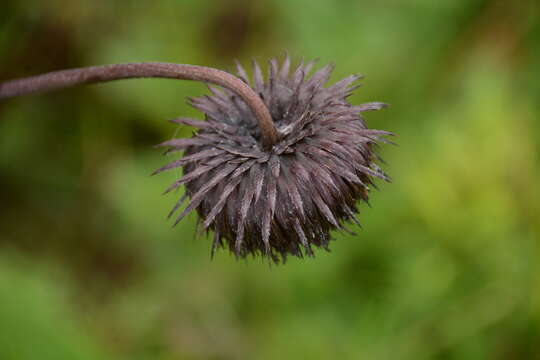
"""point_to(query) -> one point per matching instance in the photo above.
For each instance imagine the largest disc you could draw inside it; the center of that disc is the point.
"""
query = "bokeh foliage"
(445, 266)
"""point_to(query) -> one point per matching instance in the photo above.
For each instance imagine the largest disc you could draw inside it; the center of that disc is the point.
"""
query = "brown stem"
(95, 74)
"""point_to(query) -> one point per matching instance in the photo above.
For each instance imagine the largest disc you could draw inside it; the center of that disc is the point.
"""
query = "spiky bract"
(287, 199)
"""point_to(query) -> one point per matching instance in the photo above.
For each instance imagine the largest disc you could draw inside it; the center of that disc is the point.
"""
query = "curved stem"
(96, 74)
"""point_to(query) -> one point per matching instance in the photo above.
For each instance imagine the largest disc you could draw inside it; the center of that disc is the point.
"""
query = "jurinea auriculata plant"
(278, 163)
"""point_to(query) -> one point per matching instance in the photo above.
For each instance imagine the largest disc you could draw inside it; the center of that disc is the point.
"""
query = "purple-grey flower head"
(285, 199)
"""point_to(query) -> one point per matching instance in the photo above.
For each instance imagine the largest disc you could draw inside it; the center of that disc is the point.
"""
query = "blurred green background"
(445, 267)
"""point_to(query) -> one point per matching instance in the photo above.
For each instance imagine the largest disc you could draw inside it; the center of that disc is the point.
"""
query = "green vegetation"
(445, 267)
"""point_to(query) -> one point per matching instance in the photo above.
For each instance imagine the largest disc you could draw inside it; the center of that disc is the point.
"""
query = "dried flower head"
(284, 198)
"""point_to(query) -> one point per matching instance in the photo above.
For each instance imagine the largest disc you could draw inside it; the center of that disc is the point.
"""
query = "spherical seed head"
(285, 199)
